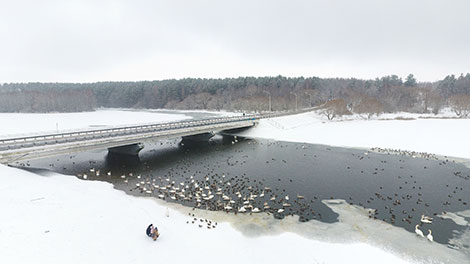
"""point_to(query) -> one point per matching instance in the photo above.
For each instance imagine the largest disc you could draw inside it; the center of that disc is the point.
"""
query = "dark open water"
(399, 188)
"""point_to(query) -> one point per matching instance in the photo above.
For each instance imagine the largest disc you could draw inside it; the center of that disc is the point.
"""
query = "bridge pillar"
(132, 150)
(204, 137)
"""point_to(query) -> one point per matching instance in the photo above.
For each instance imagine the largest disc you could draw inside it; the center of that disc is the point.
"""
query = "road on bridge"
(45, 145)
(37, 146)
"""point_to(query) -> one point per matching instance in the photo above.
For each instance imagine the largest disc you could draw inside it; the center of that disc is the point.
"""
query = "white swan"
(429, 236)
(418, 232)
(426, 219)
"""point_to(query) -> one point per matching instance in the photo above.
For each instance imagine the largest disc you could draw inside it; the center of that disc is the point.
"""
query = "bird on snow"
(429, 236)
(418, 231)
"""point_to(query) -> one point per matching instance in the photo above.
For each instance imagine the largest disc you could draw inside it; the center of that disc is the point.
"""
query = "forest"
(385, 94)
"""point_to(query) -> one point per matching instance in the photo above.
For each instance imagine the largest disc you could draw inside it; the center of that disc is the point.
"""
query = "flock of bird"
(218, 192)
(411, 191)
(413, 154)
(223, 184)
(425, 220)
(202, 222)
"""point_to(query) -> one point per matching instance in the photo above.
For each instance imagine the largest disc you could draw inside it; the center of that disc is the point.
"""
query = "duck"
(418, 232)
(429, 236)
(426, 219)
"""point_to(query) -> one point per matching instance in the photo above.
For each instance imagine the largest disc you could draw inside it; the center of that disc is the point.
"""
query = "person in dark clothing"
(152, 232)
(149, 230)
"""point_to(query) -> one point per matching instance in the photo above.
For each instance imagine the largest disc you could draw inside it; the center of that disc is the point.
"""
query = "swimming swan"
(426, 219)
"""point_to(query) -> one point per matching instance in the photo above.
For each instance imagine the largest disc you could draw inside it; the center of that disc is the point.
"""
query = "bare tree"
(423, 95)
(353, 99)
(435, 102)
(335, 107)
(217, 103)
(460, 104)
(369, 106)
(202, 99)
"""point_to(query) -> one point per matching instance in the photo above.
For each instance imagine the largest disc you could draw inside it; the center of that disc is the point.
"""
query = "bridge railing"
(10, 143)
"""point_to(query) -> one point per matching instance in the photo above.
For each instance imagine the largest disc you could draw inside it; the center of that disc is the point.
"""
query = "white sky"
(100, 40)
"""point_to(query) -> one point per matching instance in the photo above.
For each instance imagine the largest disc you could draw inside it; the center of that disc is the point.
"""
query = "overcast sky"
(93, 40)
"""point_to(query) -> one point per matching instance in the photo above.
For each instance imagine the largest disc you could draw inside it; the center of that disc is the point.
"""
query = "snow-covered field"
(21, 123)
(446, 137)
(60, 219)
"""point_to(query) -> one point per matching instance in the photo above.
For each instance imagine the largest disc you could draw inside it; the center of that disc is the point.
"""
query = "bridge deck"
(30, 147)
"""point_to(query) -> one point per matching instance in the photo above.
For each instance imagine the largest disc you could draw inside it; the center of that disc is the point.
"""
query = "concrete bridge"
(126, 140)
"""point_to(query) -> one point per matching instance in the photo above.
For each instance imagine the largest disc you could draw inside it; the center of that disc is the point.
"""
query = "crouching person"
(152, 232)
(155, 233)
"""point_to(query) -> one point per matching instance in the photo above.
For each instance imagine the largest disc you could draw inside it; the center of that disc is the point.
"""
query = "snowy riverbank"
(58, 219)
(55, 218)
(442, 136)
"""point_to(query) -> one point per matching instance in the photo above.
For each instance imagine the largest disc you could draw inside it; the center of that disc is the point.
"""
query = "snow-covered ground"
(442, 136)
(27, 123)
(215, 113)
(60, 219)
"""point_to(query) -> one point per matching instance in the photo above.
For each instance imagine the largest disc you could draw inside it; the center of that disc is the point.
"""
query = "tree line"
(385, 94)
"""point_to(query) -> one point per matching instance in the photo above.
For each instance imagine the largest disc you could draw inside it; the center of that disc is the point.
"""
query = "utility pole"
(310, 96)
(295, 100)
(269, 95)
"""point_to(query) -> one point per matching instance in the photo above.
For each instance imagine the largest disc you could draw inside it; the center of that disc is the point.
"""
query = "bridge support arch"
(203, 137)
(131, 150)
